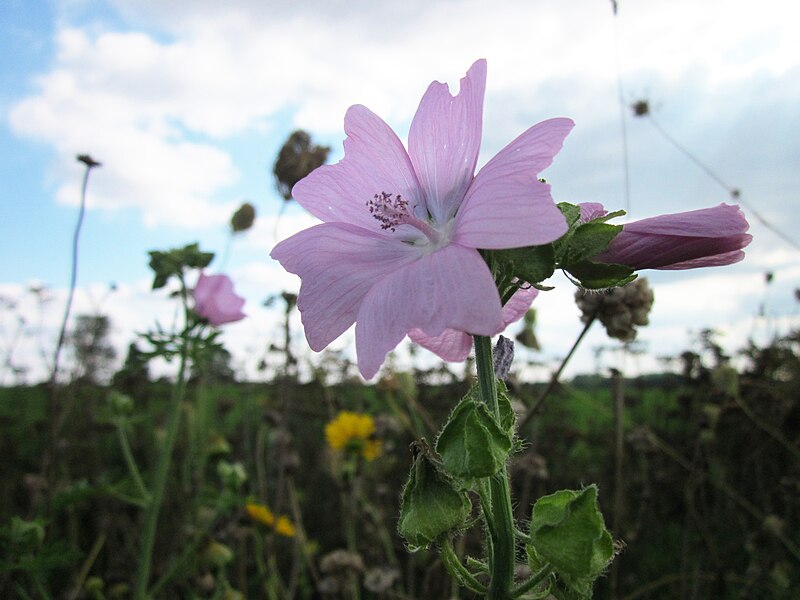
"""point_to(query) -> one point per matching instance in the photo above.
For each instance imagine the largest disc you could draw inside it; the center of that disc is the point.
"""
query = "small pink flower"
(708, 237)
(398, 247)
(215, 300)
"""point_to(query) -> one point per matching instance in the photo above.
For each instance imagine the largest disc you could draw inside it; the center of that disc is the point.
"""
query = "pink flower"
(708, 237)
(215, 300)
(397, 249)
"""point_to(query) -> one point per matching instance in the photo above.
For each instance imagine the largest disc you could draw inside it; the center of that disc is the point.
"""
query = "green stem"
(531, 583)
(453, 565)
(164, 460)
(496, 501)
(130, 461)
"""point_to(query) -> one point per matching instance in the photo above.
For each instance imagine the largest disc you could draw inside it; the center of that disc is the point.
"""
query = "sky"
(186, 104)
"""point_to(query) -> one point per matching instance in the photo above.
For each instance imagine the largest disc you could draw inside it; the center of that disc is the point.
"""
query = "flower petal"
(450, 288)
(455, 346)
(338, 264)
(375, 161)
(506, 206)
(718, 221)
(718, 260)
(444, 141)
(451, 345)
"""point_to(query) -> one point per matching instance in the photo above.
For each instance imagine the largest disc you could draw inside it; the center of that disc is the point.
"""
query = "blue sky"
(187, 102)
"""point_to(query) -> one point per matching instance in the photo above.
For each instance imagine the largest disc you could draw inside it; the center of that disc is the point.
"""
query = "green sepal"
(532, 264)
(586, 240)
(568, 532)
(571, 212)
(432, 505)
(598, 276)
(473, 443)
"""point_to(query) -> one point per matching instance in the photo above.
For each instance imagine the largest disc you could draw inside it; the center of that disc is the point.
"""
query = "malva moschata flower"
(353, 432)
(215, 301)
(398, 247)
(709, 237)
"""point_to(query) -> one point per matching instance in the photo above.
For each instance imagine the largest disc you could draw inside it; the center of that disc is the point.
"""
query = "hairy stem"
(496, 494)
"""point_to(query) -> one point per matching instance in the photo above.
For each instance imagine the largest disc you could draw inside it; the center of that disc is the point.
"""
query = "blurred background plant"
(288, 488)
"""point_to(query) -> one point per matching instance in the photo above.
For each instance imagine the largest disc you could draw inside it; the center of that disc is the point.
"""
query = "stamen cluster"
(389, 210)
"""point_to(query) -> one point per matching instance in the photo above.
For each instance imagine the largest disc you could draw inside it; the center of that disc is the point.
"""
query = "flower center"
(392, 210)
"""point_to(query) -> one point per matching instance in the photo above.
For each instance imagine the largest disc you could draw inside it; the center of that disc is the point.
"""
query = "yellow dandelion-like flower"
(353, 431)
(260, 513)
(284, 527)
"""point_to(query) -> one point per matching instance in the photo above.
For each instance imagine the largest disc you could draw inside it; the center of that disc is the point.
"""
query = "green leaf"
(508, 418)
(588, 240)
(173, 262)
(597, 276)
(531, 263)
(432, 506)
(472, 443)
(567, 531)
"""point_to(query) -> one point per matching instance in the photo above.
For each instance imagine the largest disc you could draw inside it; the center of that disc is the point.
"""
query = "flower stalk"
(164, 458)
(495, 494)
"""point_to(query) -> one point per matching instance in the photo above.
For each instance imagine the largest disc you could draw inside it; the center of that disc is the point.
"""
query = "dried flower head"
(620, 309)
(296, 159)
(243, 218)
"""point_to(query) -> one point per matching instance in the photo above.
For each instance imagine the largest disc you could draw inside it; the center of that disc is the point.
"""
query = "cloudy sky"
(187, 102)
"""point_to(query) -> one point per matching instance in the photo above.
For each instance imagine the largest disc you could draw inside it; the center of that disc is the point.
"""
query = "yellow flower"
(371, 450)
(284, 527)
(354, 432)
(260, 513)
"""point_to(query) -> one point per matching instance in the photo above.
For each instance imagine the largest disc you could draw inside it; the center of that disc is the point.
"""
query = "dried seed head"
(620, 309)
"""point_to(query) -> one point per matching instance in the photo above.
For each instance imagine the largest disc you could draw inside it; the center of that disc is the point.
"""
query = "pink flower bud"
(215, 300)
(708, 237)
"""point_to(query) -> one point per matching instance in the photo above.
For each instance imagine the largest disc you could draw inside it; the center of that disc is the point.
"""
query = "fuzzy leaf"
(472, 443)
(432, 505)
(567, 530)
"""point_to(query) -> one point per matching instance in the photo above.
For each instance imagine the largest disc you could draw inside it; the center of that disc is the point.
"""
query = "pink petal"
(719, 221)
(455, 346)
(450, 288)
(450, 345)
(506, 206)
(338, 265)
(719, 260)
(518, 305)
(591, 211)
(374, 161)
(444, 141)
